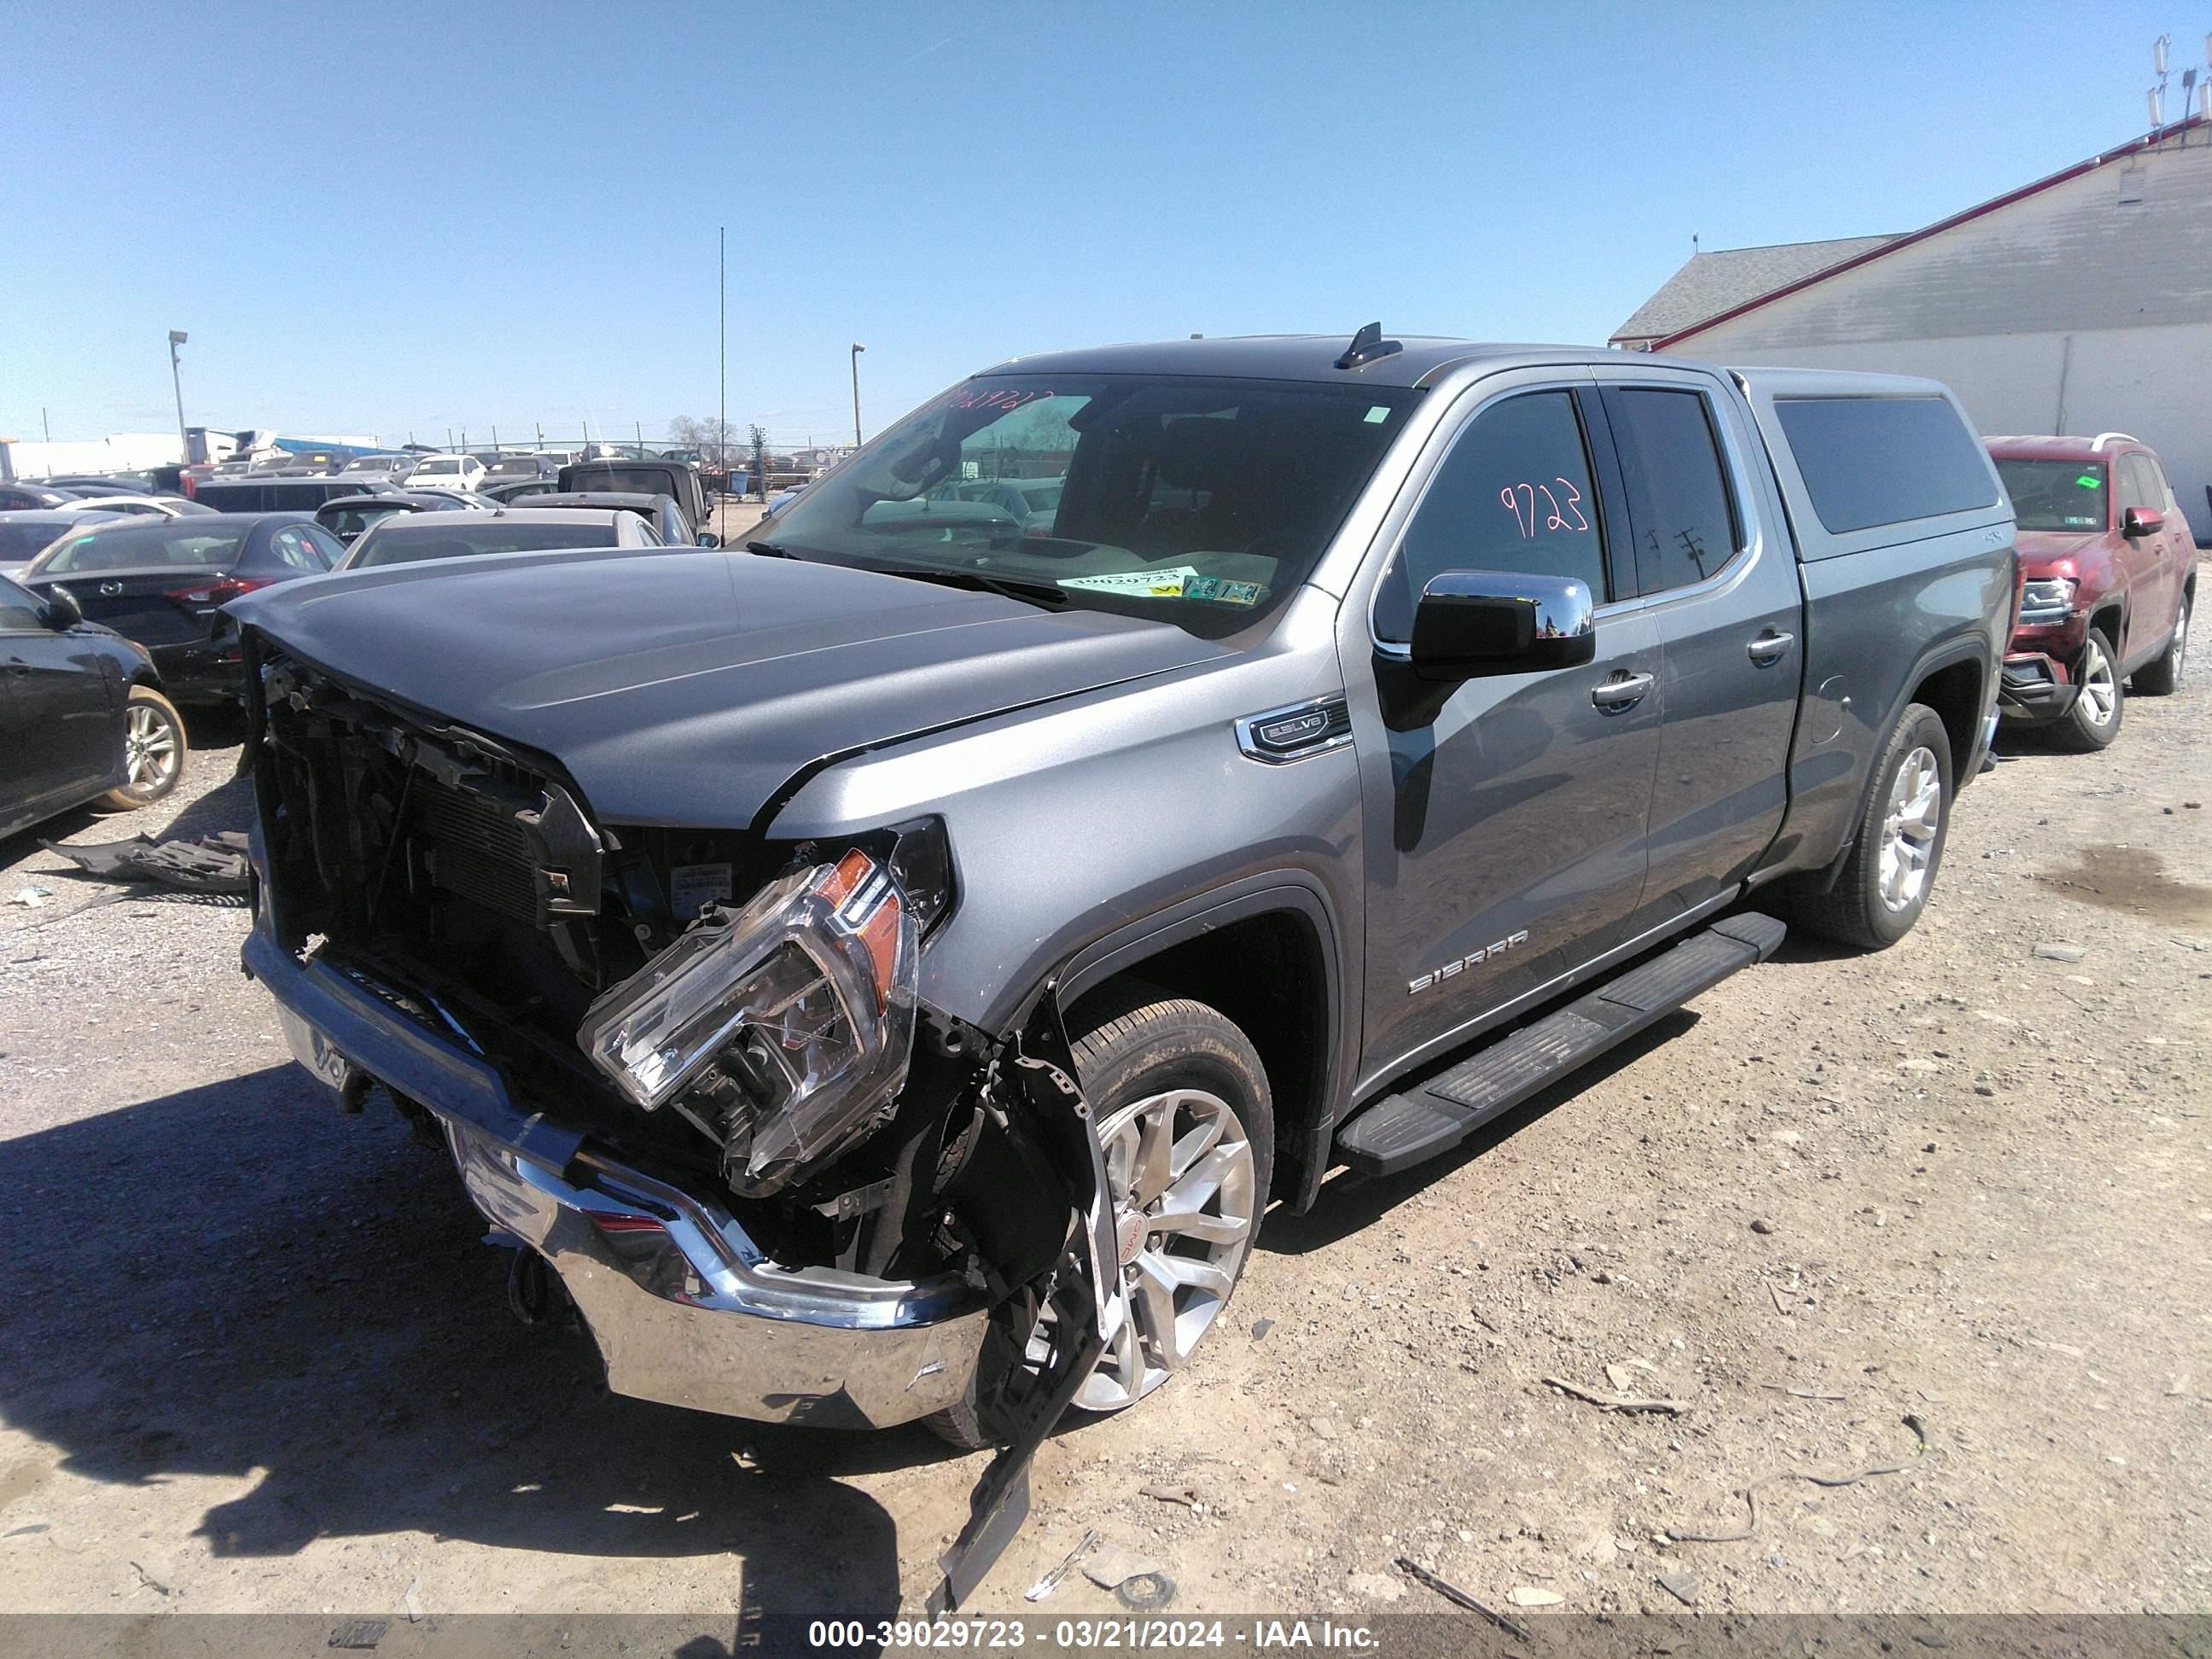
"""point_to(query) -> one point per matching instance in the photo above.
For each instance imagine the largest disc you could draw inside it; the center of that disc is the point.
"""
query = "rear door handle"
(1768, 647)
(1621, 693)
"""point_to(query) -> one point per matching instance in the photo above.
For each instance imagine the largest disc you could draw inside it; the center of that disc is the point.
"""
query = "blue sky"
(400, 217)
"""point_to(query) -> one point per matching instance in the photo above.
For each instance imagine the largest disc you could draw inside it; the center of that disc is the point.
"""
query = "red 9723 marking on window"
(1005, 400)
(1555, 515)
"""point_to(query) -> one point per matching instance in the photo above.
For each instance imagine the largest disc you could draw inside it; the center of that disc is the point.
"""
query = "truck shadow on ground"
(234, 1281)
(1349, 1203)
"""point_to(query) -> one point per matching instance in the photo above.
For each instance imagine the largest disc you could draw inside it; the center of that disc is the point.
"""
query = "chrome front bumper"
(686, 1308)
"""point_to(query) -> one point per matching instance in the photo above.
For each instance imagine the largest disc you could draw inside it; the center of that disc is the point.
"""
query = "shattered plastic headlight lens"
(785, 1025)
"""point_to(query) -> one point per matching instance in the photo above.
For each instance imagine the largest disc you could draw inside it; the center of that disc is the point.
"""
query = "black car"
(81, 714)
(508, 489)
(511, 469)
(163, 583)
(273, 492)
(347, 516)
(102, 483)
(24, 536)
(34, 498)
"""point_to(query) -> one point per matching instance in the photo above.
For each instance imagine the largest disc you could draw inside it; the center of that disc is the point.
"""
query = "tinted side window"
(1870, 461)
(1514, 494)
(296, 550)
(1680, 508)
(2137, 489)
(19, 611)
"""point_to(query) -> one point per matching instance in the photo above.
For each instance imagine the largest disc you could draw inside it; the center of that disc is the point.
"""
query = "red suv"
(2108, 573)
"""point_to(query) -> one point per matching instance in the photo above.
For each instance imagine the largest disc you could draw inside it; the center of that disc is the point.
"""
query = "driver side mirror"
(2141, 521)
(708, 538)
(1475, 624)
(62, 611)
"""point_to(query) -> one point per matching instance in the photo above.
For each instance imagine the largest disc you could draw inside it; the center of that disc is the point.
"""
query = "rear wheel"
(2095, 719)
(2163, 677)
(1887, 879)
(1188, 1126)
(153, 751)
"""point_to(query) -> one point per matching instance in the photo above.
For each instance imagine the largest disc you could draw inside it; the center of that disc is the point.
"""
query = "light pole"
(857, 349)
(177, 381)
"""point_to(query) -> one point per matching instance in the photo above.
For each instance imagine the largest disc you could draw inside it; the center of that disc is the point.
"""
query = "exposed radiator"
(478, 850)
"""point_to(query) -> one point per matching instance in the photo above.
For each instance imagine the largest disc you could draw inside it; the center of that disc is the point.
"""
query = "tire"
(154, 751)
(1891, 870)
(2162, 678)
(1155, 1064)
(2093, 720)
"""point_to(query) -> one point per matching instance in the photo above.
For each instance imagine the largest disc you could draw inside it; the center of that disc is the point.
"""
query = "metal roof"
(1716, 282)
(1888, 244)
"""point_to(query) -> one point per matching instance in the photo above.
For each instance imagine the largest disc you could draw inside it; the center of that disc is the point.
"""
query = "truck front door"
(1504, 816)
(1719, 581)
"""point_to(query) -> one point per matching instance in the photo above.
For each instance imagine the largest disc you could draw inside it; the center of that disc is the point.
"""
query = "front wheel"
(2163, 677)
(1887, 879)
(1188, 1126)
(2095, 719)
(153, 751)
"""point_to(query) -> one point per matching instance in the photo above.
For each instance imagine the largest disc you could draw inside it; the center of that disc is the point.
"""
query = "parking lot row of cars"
(2104, 560)
(112, 608)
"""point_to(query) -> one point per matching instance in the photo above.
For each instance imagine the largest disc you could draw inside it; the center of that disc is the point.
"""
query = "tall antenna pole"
(722, 420)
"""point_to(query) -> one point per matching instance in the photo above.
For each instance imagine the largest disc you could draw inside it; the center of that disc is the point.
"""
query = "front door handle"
(1623, 691)
(1768, 647)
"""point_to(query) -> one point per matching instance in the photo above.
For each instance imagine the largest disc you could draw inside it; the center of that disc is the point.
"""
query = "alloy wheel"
(1180, 1171)
(2100, 694)
(149, 750)
(1909, 828)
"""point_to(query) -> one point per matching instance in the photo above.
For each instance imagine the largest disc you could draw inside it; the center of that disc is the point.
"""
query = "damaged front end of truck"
(690, 1072)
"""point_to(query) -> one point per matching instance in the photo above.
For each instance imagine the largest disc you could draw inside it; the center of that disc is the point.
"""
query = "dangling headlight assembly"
(782, 1029)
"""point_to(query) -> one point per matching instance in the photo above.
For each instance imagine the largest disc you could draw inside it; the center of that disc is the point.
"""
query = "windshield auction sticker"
(1146, 584)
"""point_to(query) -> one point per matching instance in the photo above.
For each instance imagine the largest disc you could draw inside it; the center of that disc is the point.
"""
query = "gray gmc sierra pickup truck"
(884, 972)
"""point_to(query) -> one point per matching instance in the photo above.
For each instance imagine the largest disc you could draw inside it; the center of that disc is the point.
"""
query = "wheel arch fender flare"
(1307, 1123)
(1934, 659)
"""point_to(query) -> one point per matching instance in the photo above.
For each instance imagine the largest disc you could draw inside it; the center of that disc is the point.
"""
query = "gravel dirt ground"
(255, 1359)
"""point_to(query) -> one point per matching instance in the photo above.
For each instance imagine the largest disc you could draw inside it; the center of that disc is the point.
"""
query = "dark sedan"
(82, 716)
(34, 498)
(24, 536)
(163, 582)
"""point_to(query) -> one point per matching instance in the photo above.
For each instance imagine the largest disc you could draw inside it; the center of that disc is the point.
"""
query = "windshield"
(1202, 502)
(428, 538)
(140, 546)
(514, 467)
(21, 542)
(2056, 495)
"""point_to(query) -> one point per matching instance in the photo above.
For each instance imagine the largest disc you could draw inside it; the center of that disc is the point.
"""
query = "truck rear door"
(1716, 573)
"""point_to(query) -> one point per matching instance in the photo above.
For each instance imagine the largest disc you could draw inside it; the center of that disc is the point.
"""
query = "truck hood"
(2040, 550)
(689, 688)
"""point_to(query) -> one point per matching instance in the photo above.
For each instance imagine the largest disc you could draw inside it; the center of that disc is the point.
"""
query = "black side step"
(1400, 1131)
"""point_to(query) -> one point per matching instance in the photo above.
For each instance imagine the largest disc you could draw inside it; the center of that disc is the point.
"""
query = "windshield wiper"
(1041, 594)
(774, 549)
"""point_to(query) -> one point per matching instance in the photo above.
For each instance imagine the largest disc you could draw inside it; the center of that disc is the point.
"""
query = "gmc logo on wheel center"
(1416, 985)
